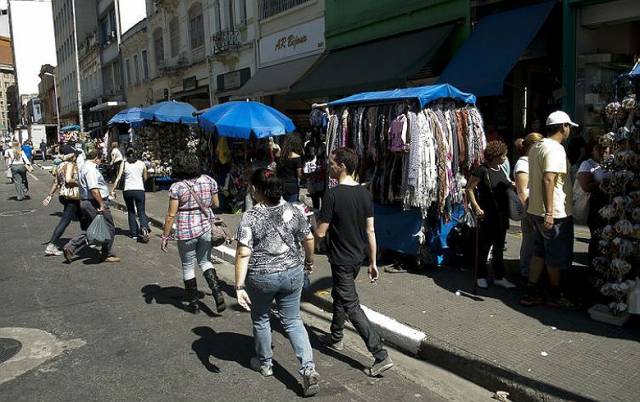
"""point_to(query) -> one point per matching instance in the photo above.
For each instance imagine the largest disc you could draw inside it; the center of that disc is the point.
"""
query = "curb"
(418, 344)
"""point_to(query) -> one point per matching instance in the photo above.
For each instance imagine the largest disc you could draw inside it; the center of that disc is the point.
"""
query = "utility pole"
(75, 42)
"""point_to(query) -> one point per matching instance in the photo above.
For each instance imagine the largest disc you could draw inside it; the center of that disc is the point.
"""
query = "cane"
(475, 265)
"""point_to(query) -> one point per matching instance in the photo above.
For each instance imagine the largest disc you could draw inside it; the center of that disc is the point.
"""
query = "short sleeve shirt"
(549, 156)
(593, 167)
(522, 166)
(191, 222)
(274, 236)
(90, 178)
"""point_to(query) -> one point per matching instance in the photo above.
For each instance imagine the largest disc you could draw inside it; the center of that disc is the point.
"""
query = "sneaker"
(144, 236)
(112, 258)
(530, 299)
(482, 283)
(256, 365)
(504, 282)
(562, 303)
(327, 341)
(52, 250)
(68, 255)
(394, 269)
(380, 366)
(310, 380)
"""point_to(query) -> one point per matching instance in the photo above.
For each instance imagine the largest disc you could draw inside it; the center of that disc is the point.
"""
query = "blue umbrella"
(72, 127)
(128, 116)
(239, 119)
(170, 112)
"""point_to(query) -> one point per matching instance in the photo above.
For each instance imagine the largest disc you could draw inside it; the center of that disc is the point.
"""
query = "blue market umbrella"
(170, 112)
(239, 119)
(129, 116)
(72, 127)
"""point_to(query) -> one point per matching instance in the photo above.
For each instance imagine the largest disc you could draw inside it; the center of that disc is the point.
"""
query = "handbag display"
(219, 235)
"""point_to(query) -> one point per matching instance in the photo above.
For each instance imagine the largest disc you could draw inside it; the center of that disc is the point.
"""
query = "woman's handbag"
(517, 210)
(219, 235)
(67, 191)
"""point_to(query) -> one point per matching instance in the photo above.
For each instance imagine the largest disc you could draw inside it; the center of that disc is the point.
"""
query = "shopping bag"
(581, 204)
(98, 231)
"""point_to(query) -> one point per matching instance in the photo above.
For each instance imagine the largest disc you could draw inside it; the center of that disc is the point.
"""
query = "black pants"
(493, 232)
(135, 200)
(70, 212)
(346, 304)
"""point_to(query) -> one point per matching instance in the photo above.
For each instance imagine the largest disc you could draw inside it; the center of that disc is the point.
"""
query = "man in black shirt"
(347, 216)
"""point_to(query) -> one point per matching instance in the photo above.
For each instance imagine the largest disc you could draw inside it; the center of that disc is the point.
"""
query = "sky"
(131, 12)
(34, 41)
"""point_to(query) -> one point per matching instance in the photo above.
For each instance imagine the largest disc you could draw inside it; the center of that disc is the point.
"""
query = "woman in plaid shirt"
(193, 229)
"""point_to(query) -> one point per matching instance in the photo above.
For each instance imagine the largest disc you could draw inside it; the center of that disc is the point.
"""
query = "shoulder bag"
(67, 191)
(517, 211)
(219, 235)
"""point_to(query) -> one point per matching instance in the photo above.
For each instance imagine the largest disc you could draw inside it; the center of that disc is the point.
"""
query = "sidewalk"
(534, 353)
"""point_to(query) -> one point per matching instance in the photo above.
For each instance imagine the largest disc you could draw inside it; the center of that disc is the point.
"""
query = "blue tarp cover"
(635, 71)
(129, 116)
(493, 48)
(424, 95)
(396, 229)
(72, 127)
(170, 112)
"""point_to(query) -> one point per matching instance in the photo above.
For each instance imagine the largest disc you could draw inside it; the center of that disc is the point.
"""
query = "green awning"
(382, 64)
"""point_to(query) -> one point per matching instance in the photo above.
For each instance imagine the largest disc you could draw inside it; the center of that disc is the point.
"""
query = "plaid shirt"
(190, 221)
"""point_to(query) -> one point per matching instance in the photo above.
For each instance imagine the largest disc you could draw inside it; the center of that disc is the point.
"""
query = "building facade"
(135, 57)
(47, 94)
(7, 82)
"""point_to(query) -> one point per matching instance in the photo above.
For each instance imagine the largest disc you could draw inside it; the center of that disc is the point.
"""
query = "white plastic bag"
(581, 204)
(98, 231)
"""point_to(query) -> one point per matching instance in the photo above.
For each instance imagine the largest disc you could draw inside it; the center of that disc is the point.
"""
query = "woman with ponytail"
(272, 237)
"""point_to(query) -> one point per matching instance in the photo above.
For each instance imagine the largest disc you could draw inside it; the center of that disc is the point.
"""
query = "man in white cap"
(549, 211)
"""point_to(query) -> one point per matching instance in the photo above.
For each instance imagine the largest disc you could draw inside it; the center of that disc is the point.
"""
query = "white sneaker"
(482, 283)
(52, 250)
(504, 282)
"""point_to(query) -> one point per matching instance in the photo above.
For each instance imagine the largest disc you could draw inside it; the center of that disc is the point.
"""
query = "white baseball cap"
(559, 117)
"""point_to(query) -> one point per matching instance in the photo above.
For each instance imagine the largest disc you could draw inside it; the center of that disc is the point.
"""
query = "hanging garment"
(398, 134)
(332, 133)
(222, 151)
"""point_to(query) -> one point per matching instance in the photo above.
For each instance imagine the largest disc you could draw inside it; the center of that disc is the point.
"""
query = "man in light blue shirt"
(94, 200)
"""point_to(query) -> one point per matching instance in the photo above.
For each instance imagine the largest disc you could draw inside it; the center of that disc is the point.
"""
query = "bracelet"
(239, 287)
(548, 214)
(165, 237)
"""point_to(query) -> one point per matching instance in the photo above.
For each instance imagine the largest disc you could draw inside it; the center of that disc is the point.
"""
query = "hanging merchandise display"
(416, 148)
(618, 259)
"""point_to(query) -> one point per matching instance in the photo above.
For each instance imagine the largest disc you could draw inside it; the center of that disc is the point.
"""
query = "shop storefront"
(603, 45)
(227, 84)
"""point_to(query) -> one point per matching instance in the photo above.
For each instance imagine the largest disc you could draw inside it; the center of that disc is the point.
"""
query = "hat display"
(560, 117)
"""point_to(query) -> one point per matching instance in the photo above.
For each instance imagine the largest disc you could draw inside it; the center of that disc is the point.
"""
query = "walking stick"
(475, 264)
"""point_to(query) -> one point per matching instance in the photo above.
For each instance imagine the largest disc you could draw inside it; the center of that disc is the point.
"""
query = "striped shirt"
(190, 221)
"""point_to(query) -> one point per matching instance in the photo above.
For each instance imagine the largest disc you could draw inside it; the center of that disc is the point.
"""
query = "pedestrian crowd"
(276, 241)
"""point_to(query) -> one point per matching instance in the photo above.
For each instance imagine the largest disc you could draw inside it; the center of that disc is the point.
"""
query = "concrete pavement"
(535, 353)
(117, 332)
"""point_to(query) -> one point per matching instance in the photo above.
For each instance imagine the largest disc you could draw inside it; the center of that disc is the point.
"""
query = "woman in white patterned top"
(271, 238)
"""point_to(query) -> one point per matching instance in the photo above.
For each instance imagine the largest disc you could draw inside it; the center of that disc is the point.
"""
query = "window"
(243, 12)
(230, 18)
(136, 67)
(158, 46)
(216, 16)
(127, 69)
(145, 66)
(174, 36)
(196, 26)
(116, 75)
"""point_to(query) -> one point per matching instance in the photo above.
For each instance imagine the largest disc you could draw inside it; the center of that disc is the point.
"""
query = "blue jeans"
(195, 251)
(135, 201)
(285, 287)
(71, 211)
(291, 197)
(526, 248)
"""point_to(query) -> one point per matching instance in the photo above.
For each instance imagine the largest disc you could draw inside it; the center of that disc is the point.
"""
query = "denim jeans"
(135, 200)
(20, 180)
(526, 248)
(346, 304)
(285, 287)
(70, 212)
(88, 209)
(291, 197)
(195, 251)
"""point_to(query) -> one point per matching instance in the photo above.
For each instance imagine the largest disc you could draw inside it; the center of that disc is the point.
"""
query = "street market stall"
(70, 133)
(416, 147)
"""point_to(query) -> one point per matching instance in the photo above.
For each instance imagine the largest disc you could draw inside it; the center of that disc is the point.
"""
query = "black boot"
(212, 280)
(191, 290)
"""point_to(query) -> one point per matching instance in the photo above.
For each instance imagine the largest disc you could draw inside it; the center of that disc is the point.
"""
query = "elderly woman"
(192, 193)
(491, 207)
(270, 266)
(521, 176)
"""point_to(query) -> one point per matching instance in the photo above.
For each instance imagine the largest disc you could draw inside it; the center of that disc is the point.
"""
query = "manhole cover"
(8, 348)
(17, 213)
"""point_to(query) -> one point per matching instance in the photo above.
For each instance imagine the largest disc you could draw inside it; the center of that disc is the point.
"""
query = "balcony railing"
(226, 40)
(268, 8)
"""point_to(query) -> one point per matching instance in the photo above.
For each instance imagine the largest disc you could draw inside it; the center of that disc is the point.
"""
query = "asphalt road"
(122, 335)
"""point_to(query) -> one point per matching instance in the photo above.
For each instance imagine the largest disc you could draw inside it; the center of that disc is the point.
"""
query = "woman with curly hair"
(491, 206)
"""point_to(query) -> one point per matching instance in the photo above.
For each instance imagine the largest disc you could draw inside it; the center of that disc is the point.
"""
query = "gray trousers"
(19, 173)
(88, 209)
(526, 247)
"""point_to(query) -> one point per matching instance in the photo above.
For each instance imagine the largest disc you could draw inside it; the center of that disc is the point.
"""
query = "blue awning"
(424, 95)
(635, 71)
(493, 48)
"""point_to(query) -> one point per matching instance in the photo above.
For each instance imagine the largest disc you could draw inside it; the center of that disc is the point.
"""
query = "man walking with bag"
(347, 216)
(94, 199)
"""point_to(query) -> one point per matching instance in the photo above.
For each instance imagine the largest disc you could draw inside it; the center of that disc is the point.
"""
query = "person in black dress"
(289, 167)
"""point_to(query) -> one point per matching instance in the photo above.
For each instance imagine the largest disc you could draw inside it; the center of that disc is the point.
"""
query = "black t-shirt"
(497, 196)
(346, 209)
(288, 172)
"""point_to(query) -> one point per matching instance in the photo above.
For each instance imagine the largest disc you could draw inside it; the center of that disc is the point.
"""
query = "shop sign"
(189, 83)
(292, 43)
(233, 79)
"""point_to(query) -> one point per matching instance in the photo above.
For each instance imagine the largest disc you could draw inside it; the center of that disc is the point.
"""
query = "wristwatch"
(239, 287)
